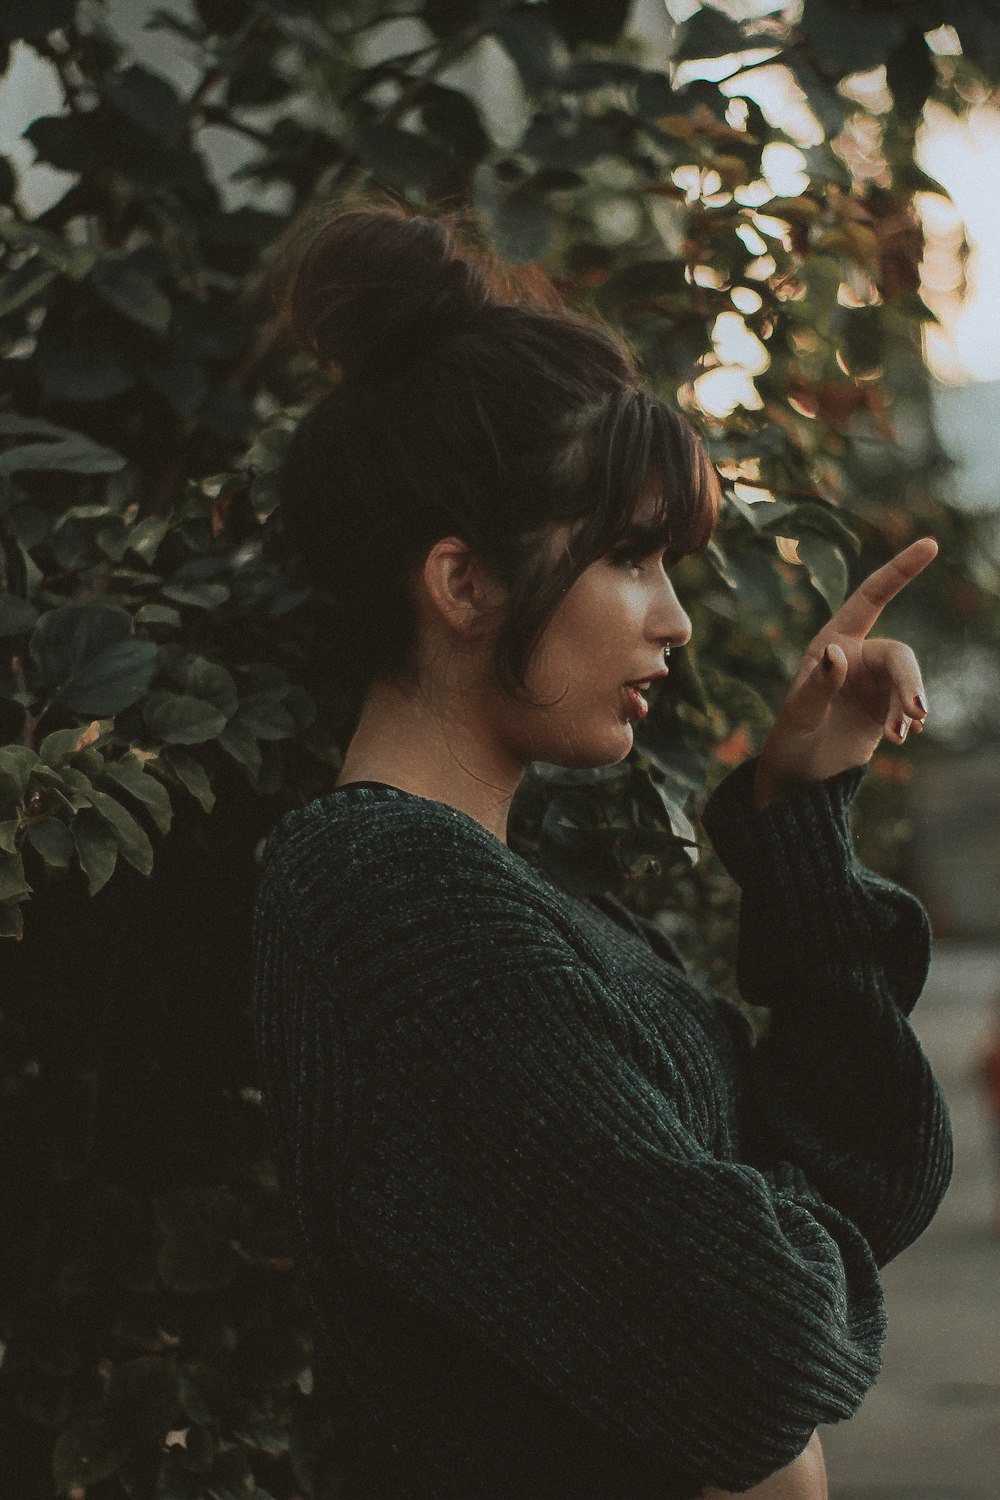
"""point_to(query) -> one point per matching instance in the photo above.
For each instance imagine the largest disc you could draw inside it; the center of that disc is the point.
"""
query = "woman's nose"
(672, 623)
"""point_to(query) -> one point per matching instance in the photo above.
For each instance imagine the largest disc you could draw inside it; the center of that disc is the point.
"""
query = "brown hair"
(469, 400)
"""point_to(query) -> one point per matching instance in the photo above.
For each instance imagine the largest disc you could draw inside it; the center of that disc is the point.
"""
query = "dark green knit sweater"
(566, 1232)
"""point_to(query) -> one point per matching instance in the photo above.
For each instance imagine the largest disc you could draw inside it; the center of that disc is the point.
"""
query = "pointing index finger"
(860, 610)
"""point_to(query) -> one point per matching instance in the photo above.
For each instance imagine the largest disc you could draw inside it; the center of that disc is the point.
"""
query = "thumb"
(820, 688)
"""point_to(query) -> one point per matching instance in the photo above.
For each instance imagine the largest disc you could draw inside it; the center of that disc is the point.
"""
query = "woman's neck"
(436, 752)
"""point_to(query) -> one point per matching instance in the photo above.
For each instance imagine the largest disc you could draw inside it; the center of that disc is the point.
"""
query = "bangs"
(652, 482)
(637, 473)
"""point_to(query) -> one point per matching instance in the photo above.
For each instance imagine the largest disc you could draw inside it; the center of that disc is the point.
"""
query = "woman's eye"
(627, 559)
(631, 560)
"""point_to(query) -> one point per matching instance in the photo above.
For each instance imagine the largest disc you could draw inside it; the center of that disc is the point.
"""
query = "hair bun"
(376, 285)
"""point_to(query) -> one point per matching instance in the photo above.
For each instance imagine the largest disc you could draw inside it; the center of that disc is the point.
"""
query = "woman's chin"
(611, 752)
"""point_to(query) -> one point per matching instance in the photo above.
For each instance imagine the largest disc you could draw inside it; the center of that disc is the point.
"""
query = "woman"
(567, 1231)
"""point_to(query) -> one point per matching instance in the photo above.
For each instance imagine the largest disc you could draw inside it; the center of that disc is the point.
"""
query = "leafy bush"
(165, 690)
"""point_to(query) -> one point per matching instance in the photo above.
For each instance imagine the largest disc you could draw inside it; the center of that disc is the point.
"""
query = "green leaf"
(241, 743)
(31, 20)
(401, 158)
(96, 847)
(181, 719)
(709, 34)
(73, 453)
(16, 764)
(131, 293)
(193, 777)
(89, 660)
(7, 831)
(829, 107)
(84, 1454)
(259, 1430)
(522, 221)
(911, 74)
(850, 39)
(75, 371)
(59, 745)
(133, 841)
(643, 280)
(826, 567)
(53, 841)
(129, 774)
(75, 785)
(805, 519)
(147, 99)
(534, 45)
(145, 538)
(74, 260)
(13, 886)
(207, 679)
(17, 616)
(28, 525)
(182, 381)
(265, 717)
(590, 22)
(158, 614)
(11, 920)
(24, 284)
(200, 595)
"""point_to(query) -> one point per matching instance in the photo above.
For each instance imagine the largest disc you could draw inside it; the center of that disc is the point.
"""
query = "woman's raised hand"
(850, 692)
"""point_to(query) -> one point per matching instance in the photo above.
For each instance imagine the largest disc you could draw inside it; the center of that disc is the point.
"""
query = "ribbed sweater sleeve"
(840, 1085)
(707, 1311)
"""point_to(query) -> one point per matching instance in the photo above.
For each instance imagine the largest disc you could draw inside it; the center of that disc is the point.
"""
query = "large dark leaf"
(22, 286)
(590, 21)
(181, 719)
(128, 774)
(131, 293)
(522, 221)
(76, 371)
(536, 48)
(710, 34)
(53, 841)
(96, 847)
(401, 158)
(843, 38)
(979, 32)
(30, 20)
(17, 615)
(182, 381)
(70, 143)
(911, 75)
(453, 116)
(568, 147)
(146, 99)
(69, 450)
(826, 568)
(88, 659)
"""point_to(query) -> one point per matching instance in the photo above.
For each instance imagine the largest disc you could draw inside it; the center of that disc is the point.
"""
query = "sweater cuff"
(801, 841)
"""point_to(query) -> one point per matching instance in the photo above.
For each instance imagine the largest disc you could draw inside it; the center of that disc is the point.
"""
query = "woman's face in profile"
(608, 632)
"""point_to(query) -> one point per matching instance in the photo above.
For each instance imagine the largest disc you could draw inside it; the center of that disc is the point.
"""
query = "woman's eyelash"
(629, 557)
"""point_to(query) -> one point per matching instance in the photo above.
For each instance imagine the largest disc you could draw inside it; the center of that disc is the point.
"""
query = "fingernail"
(827, 660)
(918, 699)
(901, 728)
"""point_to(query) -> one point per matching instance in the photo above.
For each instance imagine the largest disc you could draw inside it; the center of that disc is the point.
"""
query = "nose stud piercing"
(666, 652)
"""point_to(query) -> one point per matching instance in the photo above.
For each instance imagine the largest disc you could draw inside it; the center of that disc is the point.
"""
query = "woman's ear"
(459, 589)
